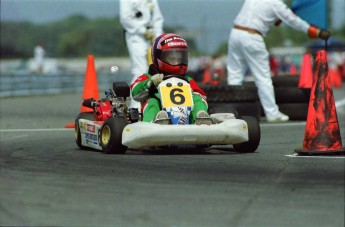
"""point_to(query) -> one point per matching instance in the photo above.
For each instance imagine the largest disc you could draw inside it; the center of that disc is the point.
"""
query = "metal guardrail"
(33, 84)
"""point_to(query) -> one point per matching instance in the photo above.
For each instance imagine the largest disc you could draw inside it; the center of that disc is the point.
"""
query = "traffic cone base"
(322, 134)
(320, 152)
(70, 125)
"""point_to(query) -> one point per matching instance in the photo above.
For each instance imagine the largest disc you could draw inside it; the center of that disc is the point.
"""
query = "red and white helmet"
(170, 54)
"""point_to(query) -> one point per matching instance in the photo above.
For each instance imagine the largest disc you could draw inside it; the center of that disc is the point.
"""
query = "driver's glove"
(149, 35)
(324, 34)
(315, 32)
(155, 80)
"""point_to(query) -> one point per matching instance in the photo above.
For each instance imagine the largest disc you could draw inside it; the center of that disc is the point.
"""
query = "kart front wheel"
(77, 135)
(111, 135)
(254, 135)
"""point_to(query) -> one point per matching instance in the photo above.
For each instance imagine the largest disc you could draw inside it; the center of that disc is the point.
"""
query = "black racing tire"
(295, 111)
(224, 109)
(242, 108)
(175, 76)
(111, 135)
(285, 81)
(292, 95)
(231, 93)
(254, 135)
(77, 135)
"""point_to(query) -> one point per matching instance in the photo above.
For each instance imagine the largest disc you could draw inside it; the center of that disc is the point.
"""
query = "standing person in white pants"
(142, 21)
(246, 47)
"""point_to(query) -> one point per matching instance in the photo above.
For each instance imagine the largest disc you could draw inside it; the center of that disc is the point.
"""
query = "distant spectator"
(218, 68)
(39, 55)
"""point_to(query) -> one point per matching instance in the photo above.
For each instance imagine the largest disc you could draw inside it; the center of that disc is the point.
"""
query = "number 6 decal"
(175, 96)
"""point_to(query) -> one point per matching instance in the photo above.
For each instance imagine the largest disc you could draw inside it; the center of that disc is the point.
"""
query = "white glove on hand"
(149, 34)
(155, 80)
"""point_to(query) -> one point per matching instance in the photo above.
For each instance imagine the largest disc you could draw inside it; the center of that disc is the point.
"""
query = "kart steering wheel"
(176, 76)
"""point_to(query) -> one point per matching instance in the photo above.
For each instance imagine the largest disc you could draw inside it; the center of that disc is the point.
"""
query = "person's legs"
(199, 114)
(137, 48)
(235, 61)
(256, 55)
(151, 109)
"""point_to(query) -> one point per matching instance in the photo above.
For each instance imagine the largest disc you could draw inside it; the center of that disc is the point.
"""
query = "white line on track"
(269, 124)
(36, 130)
(283, 124)
(317, 156)
(340, 103)
(14, 138)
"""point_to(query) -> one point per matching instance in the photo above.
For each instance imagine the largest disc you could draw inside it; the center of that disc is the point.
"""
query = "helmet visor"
(175, 57)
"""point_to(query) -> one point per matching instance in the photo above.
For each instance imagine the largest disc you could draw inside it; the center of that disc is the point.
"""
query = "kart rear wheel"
(223, 109)
(254, 135)
(77, 136)
(111, 135)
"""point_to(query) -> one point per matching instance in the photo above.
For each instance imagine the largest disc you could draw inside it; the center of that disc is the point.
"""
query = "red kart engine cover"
(103, 111)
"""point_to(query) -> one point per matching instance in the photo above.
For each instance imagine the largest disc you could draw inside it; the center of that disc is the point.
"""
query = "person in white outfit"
(39, 54)
(246, 47)
(142, 21)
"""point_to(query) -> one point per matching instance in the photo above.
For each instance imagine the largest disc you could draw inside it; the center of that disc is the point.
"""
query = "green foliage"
(285, 36)
(339, 33)
(72, 37)
(222, 49)
(75, 43)
(77, 36)
(16, 38)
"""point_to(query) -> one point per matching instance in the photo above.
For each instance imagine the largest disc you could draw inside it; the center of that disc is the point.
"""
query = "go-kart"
(113, 127)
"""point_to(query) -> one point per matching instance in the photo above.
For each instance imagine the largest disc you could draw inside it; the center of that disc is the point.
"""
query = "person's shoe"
(162, 118)
(202, 118)
(280, 117)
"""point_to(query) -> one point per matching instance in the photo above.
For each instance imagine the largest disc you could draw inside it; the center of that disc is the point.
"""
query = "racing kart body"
(112, 127)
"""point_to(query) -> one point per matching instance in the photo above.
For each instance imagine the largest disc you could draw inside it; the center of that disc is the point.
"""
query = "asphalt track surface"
(45, 180)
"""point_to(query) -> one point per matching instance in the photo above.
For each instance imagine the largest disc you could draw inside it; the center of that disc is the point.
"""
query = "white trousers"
(137, 47)
(249, 50)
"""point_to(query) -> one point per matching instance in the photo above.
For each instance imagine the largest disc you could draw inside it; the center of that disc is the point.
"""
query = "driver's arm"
(196, 89)
(140, 84)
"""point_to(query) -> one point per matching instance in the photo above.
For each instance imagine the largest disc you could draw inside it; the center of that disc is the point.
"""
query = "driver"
(170, 57)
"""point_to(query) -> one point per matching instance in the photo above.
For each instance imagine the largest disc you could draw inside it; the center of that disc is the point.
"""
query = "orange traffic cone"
(293, 70)
(322, 134)
(90, 86)
(90, 83)
(207, 78)
(306, 76)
